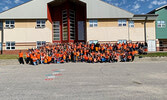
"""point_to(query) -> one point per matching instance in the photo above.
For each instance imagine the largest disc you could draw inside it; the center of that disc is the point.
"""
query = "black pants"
(133, 57)
(21, 60)
(27, 60)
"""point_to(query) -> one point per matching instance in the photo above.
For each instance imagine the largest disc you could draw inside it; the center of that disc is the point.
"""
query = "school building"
(161, 29)
(38, 22)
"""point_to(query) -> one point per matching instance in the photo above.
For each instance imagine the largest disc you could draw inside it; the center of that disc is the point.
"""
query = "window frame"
(122, 22)
(10, 45)
(131, 24)
(40, 23)
(93, 23)
(160, 25)
(42, 43)
(9, 25)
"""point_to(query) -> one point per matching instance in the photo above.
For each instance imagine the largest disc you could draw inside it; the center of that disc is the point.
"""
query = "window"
(93, 23)
(40, 43)
(40, 24)
(1, 24)
(131, 24)
(122, 41)
(56, 30)
(161, 24)
(121, 22)
(9, 24)
(10, 45)
(72, 25)
(65, 25)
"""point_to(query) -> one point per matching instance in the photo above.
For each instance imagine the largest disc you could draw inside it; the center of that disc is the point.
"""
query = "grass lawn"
(8, 56)
(157, 54)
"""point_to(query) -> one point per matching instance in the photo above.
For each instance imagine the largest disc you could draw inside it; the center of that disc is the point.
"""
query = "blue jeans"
(34, 63)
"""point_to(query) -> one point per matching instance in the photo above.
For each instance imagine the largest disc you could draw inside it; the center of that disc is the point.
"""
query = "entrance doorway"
(68, 19)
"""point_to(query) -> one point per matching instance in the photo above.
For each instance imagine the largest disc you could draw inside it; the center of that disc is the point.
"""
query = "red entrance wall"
(55, 14)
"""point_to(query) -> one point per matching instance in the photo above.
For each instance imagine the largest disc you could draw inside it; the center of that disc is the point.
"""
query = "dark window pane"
(12, 48)
(7, 22)
(13, 44)
(38, 43)
(43, 42)
(12, 22)
(7, 43)
(8, 48)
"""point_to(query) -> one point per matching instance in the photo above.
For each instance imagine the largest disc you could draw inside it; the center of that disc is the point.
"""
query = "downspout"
(145, 31)
(2, 32)
(129, 30)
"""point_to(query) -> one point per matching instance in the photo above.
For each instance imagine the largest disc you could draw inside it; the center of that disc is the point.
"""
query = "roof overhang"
(144, 17)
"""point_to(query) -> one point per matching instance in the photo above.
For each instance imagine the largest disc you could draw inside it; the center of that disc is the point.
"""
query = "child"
(27, 58)
(34, 58)
(21, 57)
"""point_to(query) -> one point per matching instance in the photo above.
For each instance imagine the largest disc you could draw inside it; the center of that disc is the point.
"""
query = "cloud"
(5, 8)
(155, 2)
(150, 6)
(18, 1)
(141, 0)
(8, 1)
(137, 6)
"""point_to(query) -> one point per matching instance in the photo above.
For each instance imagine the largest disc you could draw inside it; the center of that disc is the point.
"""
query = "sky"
(133, 6)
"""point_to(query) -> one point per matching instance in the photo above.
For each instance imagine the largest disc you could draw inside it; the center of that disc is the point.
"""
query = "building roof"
(153, 11)
(101, 9)
(34, 9)
(37, 9)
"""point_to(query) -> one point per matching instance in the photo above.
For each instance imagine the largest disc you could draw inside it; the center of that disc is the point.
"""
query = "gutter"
(145, 30)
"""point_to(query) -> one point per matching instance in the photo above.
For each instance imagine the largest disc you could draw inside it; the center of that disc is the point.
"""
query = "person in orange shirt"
(21, 57)
(45, 60)
(27, 58)
(49, 59)
(90, 60)
(129, 57)
(133, 55)
(34, 59)
(38, 58)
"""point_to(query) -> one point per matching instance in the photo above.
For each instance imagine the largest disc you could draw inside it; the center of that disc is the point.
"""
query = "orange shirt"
(27, 55)
(20, 55)
(49, 58)
(133, 53)
(38, 56)
(34, 59)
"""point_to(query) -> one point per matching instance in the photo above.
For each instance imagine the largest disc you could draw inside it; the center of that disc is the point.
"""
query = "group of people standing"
(80, 52)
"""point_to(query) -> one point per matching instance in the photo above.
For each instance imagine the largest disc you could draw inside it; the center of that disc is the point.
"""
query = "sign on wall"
(81, 30)
(151, 45)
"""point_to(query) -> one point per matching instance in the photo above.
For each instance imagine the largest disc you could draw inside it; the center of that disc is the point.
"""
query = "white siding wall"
(27, 35)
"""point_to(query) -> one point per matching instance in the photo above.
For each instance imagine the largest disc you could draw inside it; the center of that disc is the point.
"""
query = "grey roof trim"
(142, 17)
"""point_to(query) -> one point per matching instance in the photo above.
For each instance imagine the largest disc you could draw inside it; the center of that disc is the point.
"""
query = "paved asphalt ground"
(118, 81)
